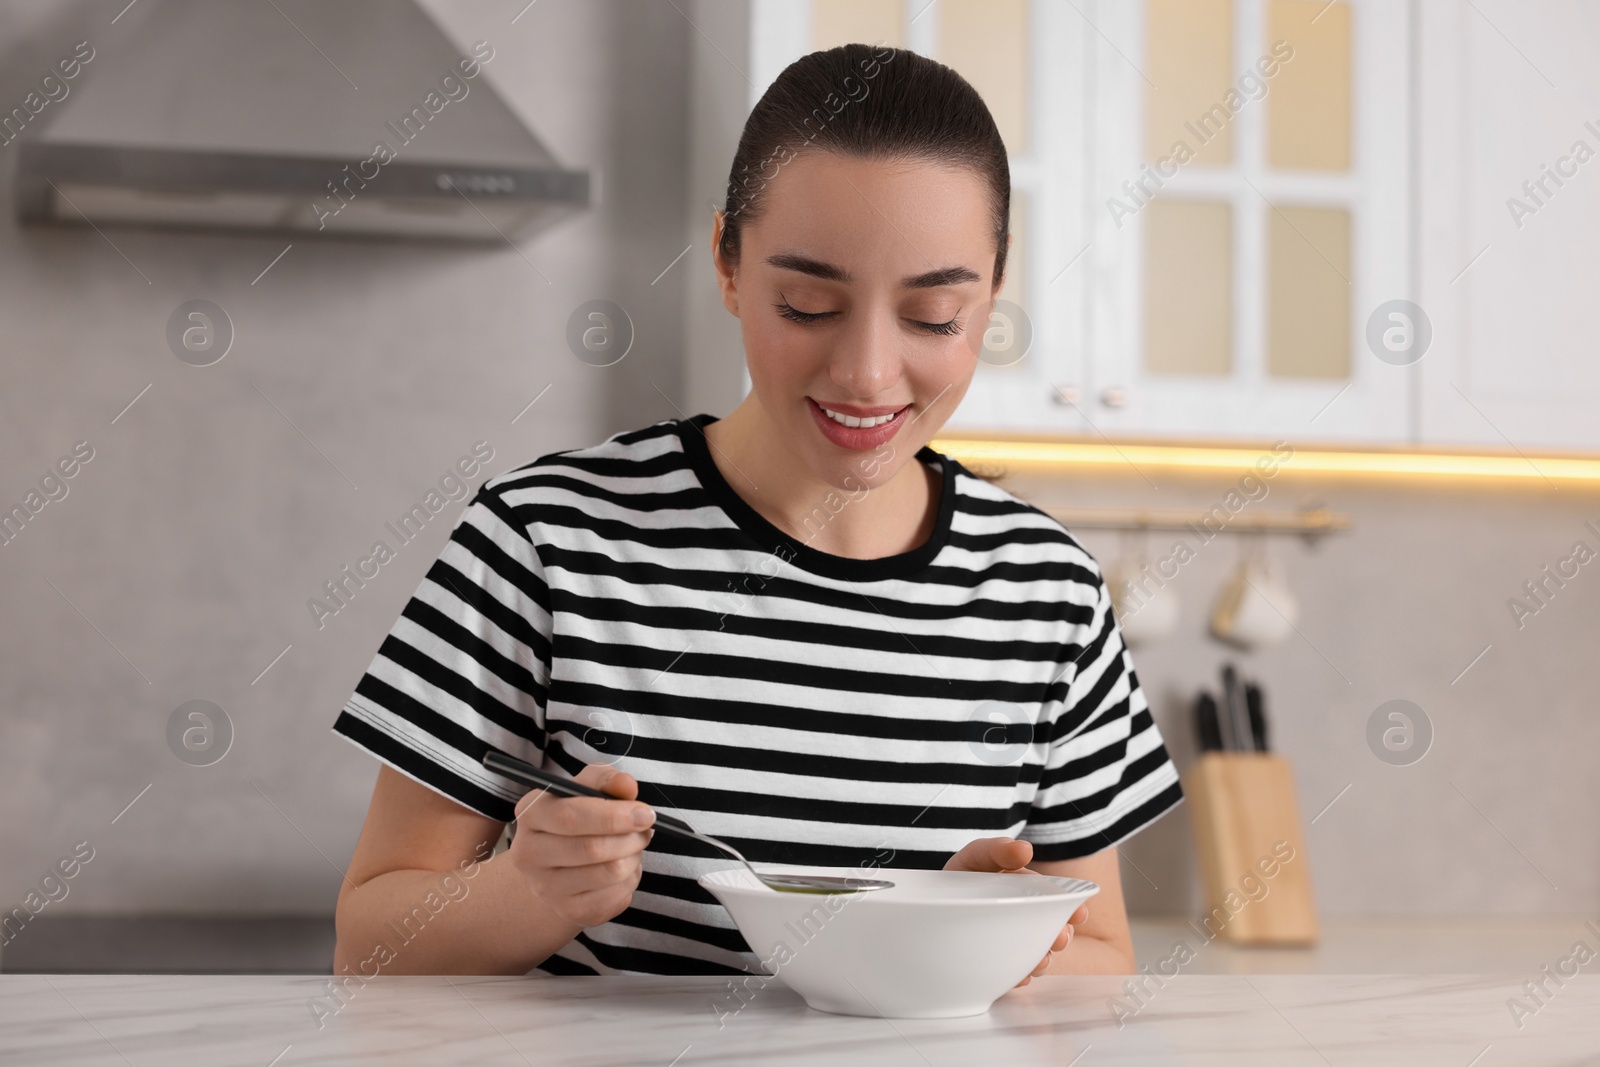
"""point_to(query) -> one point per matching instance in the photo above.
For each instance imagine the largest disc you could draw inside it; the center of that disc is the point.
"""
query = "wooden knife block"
(1245, 824)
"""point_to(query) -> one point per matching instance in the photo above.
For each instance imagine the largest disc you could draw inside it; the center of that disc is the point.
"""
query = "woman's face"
(863, 291)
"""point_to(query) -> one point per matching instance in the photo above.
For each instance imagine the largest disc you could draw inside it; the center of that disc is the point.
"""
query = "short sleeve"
(465, 667)
(1107, 774)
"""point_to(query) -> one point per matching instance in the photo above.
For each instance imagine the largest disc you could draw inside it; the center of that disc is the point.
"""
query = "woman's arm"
(415, 902)
(407, 889)
(1102, 943)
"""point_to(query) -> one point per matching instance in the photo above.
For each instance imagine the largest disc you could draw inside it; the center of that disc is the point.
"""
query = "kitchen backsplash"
(1416, 602)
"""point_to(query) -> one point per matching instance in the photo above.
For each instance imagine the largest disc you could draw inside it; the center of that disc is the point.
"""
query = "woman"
(797, 625)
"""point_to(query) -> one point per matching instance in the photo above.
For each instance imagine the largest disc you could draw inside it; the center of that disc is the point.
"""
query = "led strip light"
(1002, 451)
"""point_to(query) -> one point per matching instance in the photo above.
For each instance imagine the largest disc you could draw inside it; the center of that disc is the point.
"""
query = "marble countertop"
(275, 1021)
(1490, 944)
(189, 944)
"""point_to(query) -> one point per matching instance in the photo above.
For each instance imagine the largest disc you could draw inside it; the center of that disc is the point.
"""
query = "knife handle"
(1258, 715)
(1233, 710)
(1207, 725)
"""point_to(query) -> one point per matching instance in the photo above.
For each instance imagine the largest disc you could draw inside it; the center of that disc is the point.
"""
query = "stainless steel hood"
(356, 117)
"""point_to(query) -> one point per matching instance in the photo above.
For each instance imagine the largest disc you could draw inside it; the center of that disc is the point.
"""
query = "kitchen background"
(219, 499)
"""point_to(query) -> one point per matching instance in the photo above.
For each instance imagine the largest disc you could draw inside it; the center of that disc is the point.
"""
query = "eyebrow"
(932, 279)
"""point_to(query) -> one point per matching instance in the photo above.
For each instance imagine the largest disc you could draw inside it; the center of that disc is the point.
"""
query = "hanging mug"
(1145, 604)
(1256, 608)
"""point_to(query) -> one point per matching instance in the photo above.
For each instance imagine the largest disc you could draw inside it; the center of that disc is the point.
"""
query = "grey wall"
(205, 521)
(720, 96)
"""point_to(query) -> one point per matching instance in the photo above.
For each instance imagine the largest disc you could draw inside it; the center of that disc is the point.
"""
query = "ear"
(727, 280)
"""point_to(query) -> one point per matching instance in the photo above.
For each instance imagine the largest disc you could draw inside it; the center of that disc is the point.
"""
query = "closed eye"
(947, 329)
(806, 317)
(812, 318)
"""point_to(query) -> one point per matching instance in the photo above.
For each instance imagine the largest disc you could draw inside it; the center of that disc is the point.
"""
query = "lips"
(874, 425)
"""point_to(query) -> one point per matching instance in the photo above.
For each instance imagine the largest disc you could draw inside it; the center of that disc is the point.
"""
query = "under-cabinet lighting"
(997, 451)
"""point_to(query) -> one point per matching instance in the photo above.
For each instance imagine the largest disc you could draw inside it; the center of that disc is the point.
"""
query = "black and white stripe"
(623, 604)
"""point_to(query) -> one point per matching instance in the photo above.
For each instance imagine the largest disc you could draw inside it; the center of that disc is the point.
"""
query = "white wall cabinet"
(1453, 106)
(1510, 208)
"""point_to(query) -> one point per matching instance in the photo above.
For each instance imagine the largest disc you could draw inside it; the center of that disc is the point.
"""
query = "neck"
(892, 517)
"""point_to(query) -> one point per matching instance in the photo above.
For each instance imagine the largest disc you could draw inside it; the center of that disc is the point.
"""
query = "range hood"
(354, 118)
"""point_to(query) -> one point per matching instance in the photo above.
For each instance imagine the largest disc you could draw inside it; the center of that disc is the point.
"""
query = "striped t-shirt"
(623, 604)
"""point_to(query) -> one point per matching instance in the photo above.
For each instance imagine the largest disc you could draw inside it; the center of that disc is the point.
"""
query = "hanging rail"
(1310, 523)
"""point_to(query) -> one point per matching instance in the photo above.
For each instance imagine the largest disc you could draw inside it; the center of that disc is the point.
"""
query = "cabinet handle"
(1114, 396)
(1065, 396)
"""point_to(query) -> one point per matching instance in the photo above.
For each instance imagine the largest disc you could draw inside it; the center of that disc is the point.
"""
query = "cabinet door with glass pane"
(1209, 202)
(1250, 204)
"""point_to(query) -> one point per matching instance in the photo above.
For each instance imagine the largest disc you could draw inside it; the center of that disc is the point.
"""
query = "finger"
(608, 779)
(560, 850)
(1063, 939)
(1011, 855)
(558, 882)
(964, 859)
(596, 776)
(600, 776)
(1080, 916)
(1038, 972)
(526, 801)
(979, 855)
(599, 905)
(583, 816)
(992, 854)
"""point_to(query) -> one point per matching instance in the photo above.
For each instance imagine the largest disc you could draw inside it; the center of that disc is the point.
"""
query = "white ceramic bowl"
(939, 945)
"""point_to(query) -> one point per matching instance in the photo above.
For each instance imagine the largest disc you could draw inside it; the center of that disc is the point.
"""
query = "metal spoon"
(528, 774)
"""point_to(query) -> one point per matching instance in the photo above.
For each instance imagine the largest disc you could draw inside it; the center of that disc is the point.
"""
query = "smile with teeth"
(855, 423)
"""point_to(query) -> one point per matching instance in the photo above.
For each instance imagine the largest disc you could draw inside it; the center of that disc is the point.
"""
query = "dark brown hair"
(867, 102)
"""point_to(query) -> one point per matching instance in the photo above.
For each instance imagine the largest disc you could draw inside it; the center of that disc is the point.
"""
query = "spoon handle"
(528, 774)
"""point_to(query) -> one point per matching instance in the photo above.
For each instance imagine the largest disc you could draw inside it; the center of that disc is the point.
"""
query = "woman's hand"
(1007, 855)
(581, 855)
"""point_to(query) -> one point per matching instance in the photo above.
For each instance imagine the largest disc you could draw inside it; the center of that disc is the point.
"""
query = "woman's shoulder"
(643, 453)
(994, 516)
(629, 470)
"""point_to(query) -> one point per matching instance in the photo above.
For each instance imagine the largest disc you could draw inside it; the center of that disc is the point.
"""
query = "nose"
(866, 362)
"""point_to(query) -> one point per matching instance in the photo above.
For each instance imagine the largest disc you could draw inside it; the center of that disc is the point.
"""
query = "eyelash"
(812, 318)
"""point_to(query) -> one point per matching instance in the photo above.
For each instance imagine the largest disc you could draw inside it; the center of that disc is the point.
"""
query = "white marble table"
(268, 1021)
